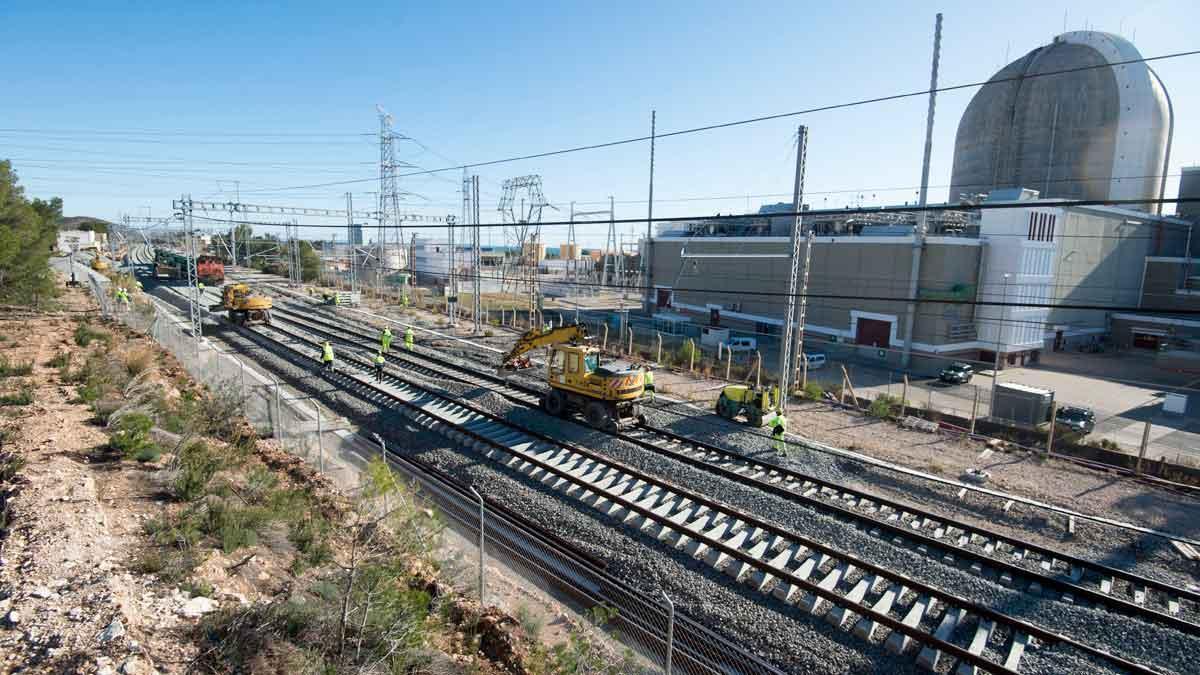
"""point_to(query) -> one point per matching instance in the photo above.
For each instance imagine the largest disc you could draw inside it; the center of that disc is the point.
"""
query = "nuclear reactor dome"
(1097, 131)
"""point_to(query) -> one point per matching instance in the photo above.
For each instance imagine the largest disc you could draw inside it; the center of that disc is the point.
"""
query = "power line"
(764, 118)
(811, 213)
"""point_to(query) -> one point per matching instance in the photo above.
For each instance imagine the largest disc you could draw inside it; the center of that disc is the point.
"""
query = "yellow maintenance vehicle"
(99, 264)
(756, 402)
(242, 306)
(609, 396)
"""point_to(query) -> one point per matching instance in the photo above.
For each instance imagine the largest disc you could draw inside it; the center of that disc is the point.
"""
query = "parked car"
(815, 360)
(957, 373)
(1079, 420)
(742, 345)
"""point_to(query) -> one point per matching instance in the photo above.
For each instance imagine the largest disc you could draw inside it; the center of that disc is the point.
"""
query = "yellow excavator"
(609, 396)
(99, 263)
(242, 306)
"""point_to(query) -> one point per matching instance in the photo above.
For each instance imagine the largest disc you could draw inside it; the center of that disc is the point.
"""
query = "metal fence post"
(1050, 432)
(658, 358)
(1145, 443)
(320, 438)
(904, 397)
(692, 356)
(757, 368)
(670, 631)
(631, 341)
(728, 362)
(974, 411)
(604, 345)
(481, 558)
(278, 426)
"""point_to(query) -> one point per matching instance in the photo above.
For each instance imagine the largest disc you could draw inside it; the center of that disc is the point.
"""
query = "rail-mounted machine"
(608, 395)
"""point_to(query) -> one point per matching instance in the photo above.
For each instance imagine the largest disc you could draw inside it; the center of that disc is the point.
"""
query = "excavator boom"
(539, 337)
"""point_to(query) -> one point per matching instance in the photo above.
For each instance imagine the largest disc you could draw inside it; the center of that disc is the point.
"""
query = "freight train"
(171, 265)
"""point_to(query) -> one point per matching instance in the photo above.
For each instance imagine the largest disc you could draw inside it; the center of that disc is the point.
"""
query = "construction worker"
(385, 340)
(778, 429)
(404, 300)
(408, 339)
(200, 285)
(326, 356)
(648, 380)
(379, 361)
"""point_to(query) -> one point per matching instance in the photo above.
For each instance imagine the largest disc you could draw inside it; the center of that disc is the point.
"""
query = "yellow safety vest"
(327, 352)
(649, 378)
(379, 360)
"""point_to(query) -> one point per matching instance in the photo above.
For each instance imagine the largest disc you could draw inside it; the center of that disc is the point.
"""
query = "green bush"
(131, 436)
(234, 527)
(197, 466)
(884, 406)
(14, 369)
(85, 334)
(814, 391)
(310, 536)
(684, 354)
(61, 361)
(23, 396)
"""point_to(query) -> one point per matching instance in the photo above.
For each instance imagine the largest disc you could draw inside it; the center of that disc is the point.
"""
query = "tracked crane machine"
(609, 396)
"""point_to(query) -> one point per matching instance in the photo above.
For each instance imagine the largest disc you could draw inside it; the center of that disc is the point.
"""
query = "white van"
(741, 345)
(815, 360)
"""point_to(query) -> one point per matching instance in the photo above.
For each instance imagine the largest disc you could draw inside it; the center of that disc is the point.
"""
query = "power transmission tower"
(518, 226)
(389, 194)
(611, 248)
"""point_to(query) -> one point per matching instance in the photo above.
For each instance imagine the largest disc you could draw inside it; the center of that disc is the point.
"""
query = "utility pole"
(910, 314)
(785, 347)
(451, 281)
(350, 239)
(194, 298)
(647, 272)
(476, 258)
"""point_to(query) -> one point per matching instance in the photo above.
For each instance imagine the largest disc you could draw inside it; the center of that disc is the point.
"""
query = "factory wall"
(852, 283)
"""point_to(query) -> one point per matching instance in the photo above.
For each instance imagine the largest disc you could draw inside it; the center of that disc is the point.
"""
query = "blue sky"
(283, 94)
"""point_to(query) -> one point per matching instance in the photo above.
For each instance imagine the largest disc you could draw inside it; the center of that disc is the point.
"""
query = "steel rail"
(736, 515)
(1064, 585)
(733, 658)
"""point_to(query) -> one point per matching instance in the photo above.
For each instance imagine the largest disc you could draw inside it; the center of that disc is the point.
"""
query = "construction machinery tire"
(555, 403)
(726, 408)
(754, 417)
(596, 414)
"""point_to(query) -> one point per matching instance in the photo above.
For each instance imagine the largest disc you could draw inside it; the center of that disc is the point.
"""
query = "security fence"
(657, 638)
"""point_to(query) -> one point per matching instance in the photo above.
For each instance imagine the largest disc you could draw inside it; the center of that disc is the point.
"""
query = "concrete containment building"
(1094, 133)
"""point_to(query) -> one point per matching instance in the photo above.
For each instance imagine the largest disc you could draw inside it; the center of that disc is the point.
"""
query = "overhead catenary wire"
(811, 213)
(761, 118)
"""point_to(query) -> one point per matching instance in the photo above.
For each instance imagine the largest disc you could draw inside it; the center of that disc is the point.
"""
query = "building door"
(1058, 340)
(873, 333)
(663, 298)
(714, 316)
(1146, 340)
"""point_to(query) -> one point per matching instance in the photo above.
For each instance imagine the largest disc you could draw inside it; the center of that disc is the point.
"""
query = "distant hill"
(83, 223)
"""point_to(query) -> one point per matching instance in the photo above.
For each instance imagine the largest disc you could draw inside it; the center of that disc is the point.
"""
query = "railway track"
(1016, 563)
(878, 605)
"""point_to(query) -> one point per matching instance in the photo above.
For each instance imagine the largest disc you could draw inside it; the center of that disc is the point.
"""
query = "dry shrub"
(139, 360)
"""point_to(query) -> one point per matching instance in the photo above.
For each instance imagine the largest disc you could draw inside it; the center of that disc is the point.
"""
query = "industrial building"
(1037, 255)
(1093, 133)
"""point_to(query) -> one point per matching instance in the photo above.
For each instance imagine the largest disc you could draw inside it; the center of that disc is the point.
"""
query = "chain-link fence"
(657, 638)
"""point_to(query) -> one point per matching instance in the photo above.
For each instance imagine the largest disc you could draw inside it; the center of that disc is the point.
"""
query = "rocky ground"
(81, 588)
(71, 603)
